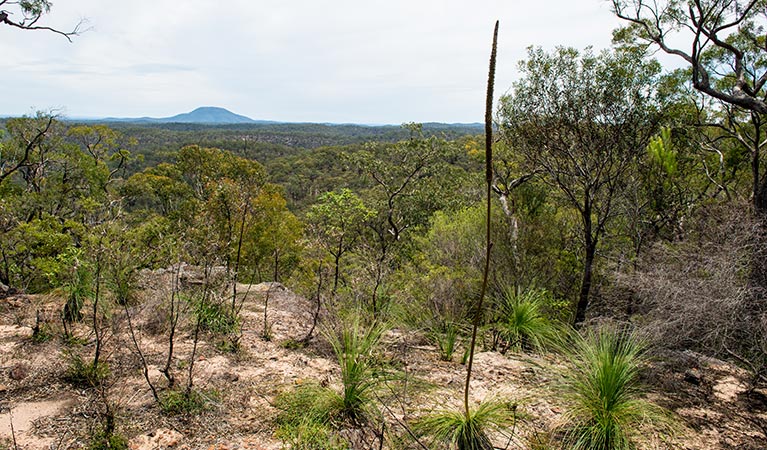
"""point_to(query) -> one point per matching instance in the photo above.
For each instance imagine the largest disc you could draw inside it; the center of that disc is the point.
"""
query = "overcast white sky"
(360, 61)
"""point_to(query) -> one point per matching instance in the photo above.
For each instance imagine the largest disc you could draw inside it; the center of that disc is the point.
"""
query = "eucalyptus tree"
(723, 44)
(337, 221)
(583, 120)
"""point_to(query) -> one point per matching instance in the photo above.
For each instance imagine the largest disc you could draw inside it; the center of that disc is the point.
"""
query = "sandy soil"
(708, 399)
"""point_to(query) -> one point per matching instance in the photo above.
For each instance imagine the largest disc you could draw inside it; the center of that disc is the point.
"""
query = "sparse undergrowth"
(108, 441)
(183, 402)
(308, 418)
(83, 373)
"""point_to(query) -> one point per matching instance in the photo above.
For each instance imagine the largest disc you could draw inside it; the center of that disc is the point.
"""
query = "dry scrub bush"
(702, 294)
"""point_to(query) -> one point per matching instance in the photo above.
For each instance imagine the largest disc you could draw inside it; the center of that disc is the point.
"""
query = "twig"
(401, 423)
(13, 431)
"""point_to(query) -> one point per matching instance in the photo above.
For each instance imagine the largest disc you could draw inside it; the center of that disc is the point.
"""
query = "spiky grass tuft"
(523, 322)
(601, 387)
(468, 432)
(353, 345)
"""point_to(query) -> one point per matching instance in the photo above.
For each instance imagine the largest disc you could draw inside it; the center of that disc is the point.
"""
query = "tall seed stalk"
(488, 243)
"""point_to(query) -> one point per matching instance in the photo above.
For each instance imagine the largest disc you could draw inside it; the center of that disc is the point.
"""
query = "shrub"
(468, 432)
(41, 333)
(445, 337)
(78, 289)
(175, 402)
(82, 373)
(216, 318)
(601, 388)
(108, 441)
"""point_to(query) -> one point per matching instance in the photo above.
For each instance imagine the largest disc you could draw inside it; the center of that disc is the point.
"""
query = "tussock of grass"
(601, 387)
(177, 402)
(523, 323)
(445, 338)
(105, 441)
(84, 373)
(353, 345)
(307, 417)
(457, 430)
(216, 318)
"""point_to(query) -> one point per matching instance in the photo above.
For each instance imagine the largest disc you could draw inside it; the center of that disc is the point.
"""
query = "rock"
(161, 438)
(693, 376)
(18, 372)
(230, 377)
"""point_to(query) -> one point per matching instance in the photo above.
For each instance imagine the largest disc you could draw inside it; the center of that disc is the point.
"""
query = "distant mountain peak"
(209, 114)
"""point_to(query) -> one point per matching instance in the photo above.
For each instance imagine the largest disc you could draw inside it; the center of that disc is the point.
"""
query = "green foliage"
(662, 153)
(83, 373)
(602, 389)
(468, 432)
(78, 285)
(215, 317)
(445, 337)
(42, 333)
(353, 345)
(522, 321)
(186, 402)
(102, 440)
(307, 417)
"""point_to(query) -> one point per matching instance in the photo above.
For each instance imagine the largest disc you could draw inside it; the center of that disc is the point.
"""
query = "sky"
(338, 61)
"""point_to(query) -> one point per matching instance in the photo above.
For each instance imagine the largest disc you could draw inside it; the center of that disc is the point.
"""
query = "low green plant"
(522, 322)
(353, 345)
(42, 333)
(108, 441)
(84, 373)
(216, 318)
(78, 285)
(229, 344)
(308, 435)
(292, 344)
(177, 402)
(462, 431)
(445, 337)
(307, 417)
(602, 389)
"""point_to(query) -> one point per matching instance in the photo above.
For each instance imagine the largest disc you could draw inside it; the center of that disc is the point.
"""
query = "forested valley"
(595, 278)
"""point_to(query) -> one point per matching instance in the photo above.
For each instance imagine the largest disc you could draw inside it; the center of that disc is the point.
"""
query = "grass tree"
(469, 429)
(523, 322)
(602, 389)
(353, 346)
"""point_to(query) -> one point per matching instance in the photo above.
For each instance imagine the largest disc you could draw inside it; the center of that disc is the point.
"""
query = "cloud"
(342, 60)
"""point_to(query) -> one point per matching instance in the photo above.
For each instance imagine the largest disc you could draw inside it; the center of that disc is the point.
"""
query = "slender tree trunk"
(5, 277)
(174, 315)
(337, 258)
(96, 327)
(140, 354)
(235, 276)
(318, 306)
(583, 297)
(590, 243)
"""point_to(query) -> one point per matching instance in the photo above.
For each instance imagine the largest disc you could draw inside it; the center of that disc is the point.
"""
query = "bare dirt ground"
(708, 400)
